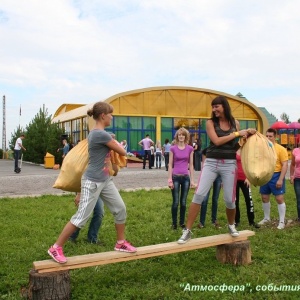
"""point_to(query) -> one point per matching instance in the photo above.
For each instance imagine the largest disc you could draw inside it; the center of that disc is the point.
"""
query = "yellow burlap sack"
(258, 159)
(117, 162)
(74, 165)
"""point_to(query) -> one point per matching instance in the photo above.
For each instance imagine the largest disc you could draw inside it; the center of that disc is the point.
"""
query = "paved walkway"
(35, 180)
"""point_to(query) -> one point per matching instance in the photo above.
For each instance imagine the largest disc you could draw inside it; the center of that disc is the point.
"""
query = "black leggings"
(248, 199)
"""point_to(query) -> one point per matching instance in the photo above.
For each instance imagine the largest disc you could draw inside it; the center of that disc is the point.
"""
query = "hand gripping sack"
(74, 165)
(258, 159)
(117, 162)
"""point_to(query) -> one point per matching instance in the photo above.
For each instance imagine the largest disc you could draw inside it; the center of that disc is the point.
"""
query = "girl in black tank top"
(222, 130)
(225, 151)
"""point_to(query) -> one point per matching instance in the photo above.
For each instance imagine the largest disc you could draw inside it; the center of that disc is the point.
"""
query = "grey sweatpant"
(227, 169)
(90, 192)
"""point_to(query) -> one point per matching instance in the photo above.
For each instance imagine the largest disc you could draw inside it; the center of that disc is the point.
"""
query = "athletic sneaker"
(255, 225)
(186, 236)
(281, 225)
(263, 222)
(57, 254)
(200, 225)
(125, 247)
(217, 225)
(232, 230)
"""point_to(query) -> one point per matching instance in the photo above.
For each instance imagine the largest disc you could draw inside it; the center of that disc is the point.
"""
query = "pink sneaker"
(125, 247)
(57, 254)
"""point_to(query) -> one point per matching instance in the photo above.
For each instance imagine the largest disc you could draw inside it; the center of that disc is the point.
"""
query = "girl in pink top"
(295, 177)
(181, 174)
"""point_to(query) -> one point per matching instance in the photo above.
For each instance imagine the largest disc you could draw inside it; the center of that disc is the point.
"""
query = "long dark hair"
(227, 110)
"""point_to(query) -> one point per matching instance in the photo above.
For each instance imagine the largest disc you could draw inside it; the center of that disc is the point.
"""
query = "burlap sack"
(74, 165)
(258, 159)
(117, 162)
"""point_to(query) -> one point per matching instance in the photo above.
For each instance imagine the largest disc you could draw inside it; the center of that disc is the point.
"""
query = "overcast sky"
(81, 51)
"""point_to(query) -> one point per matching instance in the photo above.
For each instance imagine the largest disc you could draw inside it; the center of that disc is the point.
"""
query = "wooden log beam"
(89, 260)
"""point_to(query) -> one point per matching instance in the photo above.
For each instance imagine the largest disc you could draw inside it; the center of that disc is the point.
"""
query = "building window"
(252, 124)
(67, 127)
(133, 129)
(134, 138)
(121, 122)
(245, 124)
(166, 129)
(148, 123)
(85, 128)
(135, 123)
(75, 130)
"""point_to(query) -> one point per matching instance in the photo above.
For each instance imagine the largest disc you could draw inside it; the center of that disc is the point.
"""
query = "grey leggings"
(212, 167)
(90, 192)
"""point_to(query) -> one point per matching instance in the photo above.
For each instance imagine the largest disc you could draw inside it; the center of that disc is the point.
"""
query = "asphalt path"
(35, 180)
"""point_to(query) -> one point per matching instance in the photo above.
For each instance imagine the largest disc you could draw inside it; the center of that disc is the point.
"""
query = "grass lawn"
(30, 225)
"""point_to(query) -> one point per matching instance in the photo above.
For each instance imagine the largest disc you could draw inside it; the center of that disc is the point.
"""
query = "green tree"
(41, 136)
(285, 118)
(274, 116)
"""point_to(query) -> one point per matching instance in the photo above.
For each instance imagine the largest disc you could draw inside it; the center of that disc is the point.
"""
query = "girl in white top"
(158, 153)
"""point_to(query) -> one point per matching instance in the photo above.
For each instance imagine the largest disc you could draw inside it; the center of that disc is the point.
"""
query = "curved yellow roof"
(65, 108)
(181, 101)
(175, 101)
(67, 112)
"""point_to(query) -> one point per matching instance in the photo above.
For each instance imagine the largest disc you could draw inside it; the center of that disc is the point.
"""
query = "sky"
(82, 51)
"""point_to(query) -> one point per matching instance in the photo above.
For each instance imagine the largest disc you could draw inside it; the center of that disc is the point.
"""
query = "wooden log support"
(83, 261)
(54, 285)
(238, 253)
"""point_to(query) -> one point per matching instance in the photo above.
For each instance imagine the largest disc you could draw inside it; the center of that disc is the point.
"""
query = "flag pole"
(20, 118)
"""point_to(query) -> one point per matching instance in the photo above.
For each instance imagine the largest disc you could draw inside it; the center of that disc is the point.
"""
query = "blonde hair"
(184, 132)
(100, 108)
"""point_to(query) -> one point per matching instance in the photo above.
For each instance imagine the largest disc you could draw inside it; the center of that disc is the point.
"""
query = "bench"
(234, 250)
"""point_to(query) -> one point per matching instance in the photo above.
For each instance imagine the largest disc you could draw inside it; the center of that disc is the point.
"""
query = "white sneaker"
(186, 236)
(281, 225)
(232, 230)
(263, 222)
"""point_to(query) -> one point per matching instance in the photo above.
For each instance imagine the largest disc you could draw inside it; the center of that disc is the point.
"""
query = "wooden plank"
(89, 260)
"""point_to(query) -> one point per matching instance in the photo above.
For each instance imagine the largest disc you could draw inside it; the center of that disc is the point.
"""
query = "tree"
(41, 136)
(285, 118)
(274, 116)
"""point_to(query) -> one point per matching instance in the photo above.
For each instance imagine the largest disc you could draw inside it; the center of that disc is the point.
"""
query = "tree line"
(41, 136)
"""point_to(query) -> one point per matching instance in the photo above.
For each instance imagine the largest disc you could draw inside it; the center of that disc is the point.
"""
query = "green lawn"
(30, 225)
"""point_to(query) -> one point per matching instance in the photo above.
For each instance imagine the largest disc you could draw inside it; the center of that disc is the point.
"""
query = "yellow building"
(159, 112)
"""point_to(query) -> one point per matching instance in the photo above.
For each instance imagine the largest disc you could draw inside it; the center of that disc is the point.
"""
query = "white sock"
(281, 210)
(267, 208)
